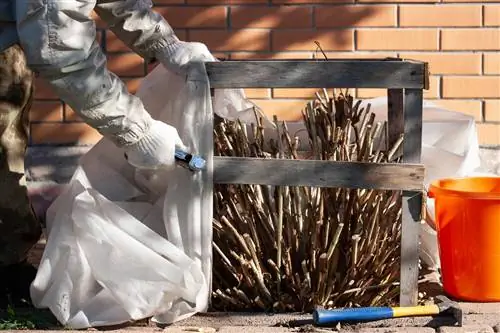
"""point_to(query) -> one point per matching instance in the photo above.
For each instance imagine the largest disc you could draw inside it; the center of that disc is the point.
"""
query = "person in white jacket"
(56, 39)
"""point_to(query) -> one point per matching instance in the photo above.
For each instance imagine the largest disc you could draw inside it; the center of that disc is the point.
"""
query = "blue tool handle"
(326, 317)
(190, 161)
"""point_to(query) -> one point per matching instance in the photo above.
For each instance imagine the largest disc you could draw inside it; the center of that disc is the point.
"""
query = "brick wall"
(460, 40)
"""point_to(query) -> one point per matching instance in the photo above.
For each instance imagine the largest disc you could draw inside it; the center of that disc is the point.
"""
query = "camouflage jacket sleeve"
(58, 37)
(137, 25)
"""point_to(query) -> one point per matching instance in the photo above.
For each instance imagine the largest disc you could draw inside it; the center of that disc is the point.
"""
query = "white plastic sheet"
(449, 140)
(125, 245)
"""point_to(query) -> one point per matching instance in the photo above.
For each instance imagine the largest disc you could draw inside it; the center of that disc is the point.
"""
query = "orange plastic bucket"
(468, 229)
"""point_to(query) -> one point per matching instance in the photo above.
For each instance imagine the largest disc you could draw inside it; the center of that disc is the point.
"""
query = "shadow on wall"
(250, 32)
(241, 32)
(273, 29)
(52, 164)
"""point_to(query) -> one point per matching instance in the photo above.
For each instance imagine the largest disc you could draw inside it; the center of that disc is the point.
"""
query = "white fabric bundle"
(125, 244)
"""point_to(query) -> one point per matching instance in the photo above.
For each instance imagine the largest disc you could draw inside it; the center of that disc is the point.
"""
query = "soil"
(15, 281)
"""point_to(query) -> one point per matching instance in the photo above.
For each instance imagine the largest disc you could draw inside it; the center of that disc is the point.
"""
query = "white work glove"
(179, 55)
(156, 150)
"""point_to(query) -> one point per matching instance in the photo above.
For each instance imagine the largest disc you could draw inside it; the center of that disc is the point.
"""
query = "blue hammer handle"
(190, 161)
(328, 317)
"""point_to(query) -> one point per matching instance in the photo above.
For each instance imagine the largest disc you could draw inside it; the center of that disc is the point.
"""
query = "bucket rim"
(435, 189)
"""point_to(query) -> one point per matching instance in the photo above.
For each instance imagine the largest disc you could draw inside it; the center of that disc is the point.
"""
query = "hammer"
(187, 160)
(443, 306)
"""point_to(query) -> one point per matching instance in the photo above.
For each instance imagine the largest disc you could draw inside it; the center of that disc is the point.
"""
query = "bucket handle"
(430, 193)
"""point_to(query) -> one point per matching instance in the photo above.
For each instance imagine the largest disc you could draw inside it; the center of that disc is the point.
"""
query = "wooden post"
(412, 200)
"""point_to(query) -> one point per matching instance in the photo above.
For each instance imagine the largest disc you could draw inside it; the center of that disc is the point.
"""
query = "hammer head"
(450, 307)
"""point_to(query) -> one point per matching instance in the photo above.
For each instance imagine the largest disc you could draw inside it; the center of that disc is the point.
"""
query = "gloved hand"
(179, 55)
(156, 149)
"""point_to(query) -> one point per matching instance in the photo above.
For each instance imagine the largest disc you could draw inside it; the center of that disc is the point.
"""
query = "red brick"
(43, 90)
(260, 93)
(397, 39)
(440, 16)
(288, 110)
(488, 134)
(433, 91)
(64, 133)
(492, 63)
(492, 110)
(471, 86)
(114, 44)
(492, 15)
(46, 111)
(128, 64)
(355, 16)
(294, 93)
(271, 17)
(471, 1)
(303, 40)
(194, 17)
(449, 63)
(469, 107)
(470, 39)
(168, 2)
(70, 115)
(100, 24)
(290, 2)
(399, 1)
(356, 55)
(224, 2)
(270, 55)
(235, 40)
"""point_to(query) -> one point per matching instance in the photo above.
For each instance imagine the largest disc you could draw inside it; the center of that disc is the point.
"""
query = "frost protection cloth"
(125, 245)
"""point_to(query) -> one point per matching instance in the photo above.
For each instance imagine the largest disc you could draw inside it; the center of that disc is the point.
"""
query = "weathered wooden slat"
(412, 145)
(317, 74)
(412, 200)
(285, 172)
(395, 117)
